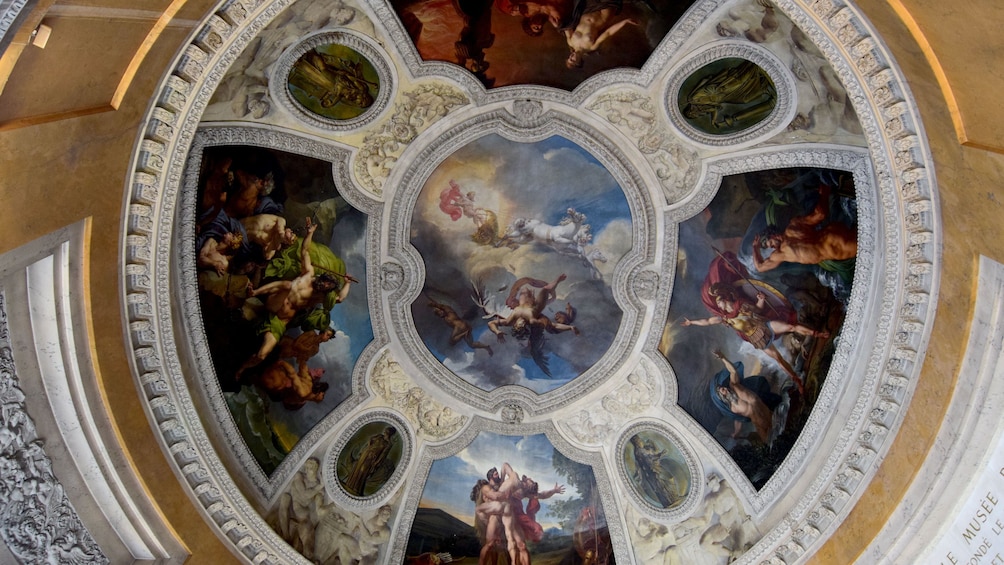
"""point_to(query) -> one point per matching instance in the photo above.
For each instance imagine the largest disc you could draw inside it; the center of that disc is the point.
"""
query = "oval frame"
(329, 467)
(690, 500)
(779, 117)
(278, 82)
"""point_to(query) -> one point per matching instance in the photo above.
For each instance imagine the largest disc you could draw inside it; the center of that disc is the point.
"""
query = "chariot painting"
(763, 278)
(519, 241)
(280, 259)
(511, 499)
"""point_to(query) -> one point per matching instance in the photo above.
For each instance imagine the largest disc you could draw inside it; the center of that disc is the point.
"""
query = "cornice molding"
(897, 297)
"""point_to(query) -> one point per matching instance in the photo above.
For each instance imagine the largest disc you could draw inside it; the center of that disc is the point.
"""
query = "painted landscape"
(556, 515)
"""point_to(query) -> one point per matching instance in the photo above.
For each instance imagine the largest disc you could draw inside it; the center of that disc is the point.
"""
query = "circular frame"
(279, 90)
(690, 500)
(329, 468)
(779, 117)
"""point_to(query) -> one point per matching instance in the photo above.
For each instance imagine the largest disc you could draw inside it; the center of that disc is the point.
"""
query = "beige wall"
(57, 173)
(53, 174)
(972, 201)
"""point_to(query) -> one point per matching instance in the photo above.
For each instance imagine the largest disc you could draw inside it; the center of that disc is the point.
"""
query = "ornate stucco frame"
(902, 310)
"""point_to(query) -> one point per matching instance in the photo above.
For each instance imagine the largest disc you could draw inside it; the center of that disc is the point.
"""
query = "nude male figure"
(269, 232)
(592, 30)
(285, 299)
(305, 345)
(805, 241)
(527, 307)
(216, 255)
(744, 402)
(461, 329)
(499, 503)
(492, 525)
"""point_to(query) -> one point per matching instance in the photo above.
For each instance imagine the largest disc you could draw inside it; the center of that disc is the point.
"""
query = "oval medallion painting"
(369, 458)
(727, 96)
(334, 81)
(520, 241)
(656, 469)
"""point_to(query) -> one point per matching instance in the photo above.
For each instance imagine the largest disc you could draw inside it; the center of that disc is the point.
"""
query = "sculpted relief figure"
(723, 526)
(429, 416)
(323, 532)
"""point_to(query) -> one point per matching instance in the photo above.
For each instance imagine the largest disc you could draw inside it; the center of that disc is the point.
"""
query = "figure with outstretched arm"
(461, 329)
(284, 300)
(527, 309)
(806, 239)
(592, 30)
(758, 321)
(743, 402)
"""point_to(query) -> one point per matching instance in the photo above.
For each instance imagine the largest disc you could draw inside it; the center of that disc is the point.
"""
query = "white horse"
(569, 237)
(528, 230)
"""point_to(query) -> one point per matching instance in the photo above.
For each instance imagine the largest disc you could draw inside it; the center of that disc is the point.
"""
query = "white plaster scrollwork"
(527, 112)
(720, 528)
(635, 115)
(416, 110)
(512, 413)
(39, 525)
(244, 91)
(646, 284)
(427, 414)
(595, 423)
(322, 531)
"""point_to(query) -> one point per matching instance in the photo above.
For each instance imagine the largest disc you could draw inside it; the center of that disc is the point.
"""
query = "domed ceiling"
(584, 281)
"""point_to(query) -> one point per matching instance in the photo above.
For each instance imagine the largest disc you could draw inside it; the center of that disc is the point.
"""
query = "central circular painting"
(520, 242)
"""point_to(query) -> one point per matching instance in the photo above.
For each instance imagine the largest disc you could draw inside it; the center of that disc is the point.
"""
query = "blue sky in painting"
(537, 181)
(451, 479)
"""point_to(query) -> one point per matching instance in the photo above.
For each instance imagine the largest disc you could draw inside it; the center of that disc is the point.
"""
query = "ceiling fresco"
(549, 282)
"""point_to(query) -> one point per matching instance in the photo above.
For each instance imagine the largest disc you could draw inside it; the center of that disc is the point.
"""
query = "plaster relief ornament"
(721, 528)
(653, 543)
(519, 242)
(37, 521)
(595, 423)
(635, 115)
(323, 532)
(430, 417)
(334, 81)
(244, 91)
(414, 112)
(823, 108)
